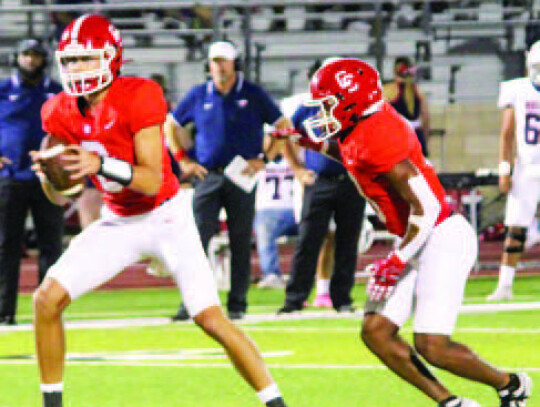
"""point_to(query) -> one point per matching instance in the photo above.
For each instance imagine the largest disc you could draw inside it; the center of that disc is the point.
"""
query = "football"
(52, 165)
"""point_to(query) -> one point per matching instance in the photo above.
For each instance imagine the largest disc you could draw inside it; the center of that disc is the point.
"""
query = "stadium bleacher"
(460, 44)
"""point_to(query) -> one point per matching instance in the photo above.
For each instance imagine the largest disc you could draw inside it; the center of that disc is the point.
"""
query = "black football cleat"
(516, 393)
(346, 309)
(7, 320)
(289, 308)
(181, 315)
(236, 315)
(455, 401)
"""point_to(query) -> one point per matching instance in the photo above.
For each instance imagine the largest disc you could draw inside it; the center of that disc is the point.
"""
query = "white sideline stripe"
(513, 306)
(258, 308)
(132, 314)
(200, 365)
(229, 366)
(150, 356)
(295, 329)
(323, 330)
(517, 297)
(256, 318)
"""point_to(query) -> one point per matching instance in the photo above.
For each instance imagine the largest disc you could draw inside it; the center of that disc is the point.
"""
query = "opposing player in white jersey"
(519, 176)
(274, 213)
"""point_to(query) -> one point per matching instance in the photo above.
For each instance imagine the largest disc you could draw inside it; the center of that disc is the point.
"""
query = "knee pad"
(518, 235)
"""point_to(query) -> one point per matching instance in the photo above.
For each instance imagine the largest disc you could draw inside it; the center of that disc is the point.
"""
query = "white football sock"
(323, 286)
(52, 387)
(506, 276)
(270, 392)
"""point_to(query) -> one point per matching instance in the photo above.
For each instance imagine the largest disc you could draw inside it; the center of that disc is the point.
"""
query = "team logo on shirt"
(207, 106)
(532, 105)
(87, 129)
(13, 98)
(242, 103)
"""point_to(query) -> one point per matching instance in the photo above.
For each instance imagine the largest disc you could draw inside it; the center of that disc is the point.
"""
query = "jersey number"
(276, 180)
(532, 128)
(97, 147)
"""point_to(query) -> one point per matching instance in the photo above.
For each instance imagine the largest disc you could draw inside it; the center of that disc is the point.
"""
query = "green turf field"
(318, 361)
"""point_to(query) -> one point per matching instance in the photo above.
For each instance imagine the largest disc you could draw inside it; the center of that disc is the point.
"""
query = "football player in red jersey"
(114, 126)
(427, 273)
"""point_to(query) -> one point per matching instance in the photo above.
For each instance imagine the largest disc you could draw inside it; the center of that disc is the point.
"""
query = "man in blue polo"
(21, 98)
(228, 114)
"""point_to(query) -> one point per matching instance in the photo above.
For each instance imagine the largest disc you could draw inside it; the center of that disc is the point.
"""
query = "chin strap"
(375, 107)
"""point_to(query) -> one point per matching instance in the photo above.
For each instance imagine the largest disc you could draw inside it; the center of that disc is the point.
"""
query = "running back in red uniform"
(428, 271)
(377, 144)
(130, 105)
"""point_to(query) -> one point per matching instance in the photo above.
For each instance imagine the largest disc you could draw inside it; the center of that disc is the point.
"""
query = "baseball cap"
(31, 44)
(533, 56)
(222, 49)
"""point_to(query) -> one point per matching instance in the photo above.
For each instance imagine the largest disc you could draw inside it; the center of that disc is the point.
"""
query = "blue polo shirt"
(313, 160)
(20, 123)
(226, 125)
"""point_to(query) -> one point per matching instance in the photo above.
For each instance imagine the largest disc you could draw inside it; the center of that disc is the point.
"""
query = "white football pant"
(168, 233)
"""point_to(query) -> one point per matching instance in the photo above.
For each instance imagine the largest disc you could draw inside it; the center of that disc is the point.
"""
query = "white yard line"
(229, 366)
(256, 318)
(257, 309)
(137, 313)
(323, 330)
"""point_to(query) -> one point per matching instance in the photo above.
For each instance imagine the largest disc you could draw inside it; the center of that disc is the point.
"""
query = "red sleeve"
(148, 106)
(51, 118)
(387, 143)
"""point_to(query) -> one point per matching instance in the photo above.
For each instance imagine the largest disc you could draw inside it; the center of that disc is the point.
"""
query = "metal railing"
(34, 19)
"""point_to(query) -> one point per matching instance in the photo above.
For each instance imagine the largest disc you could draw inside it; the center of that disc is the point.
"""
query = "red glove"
(300, 138)
(384, 276)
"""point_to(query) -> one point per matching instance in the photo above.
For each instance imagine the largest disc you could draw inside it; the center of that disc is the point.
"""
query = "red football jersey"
(372, 149)
(130, 105)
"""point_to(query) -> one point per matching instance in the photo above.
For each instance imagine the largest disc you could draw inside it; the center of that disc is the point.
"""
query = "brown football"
(52, 165)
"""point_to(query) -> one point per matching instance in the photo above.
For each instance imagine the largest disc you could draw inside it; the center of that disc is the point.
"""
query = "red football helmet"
(90, 35)
(345, 89)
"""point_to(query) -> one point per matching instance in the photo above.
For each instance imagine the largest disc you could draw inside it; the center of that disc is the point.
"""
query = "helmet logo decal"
(345, 80)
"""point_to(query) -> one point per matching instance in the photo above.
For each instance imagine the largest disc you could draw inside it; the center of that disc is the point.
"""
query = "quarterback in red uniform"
(427, 273)
(113, 125)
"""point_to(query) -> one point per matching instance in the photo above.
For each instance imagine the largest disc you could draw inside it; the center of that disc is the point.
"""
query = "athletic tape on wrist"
(505, 168)
(116, 170)
(425, 222)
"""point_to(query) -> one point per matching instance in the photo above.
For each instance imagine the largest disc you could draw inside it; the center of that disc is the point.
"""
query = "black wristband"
(116, 170)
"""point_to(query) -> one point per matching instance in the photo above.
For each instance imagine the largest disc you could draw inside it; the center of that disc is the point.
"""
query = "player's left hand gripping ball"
(52, 166)
(384, 277)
